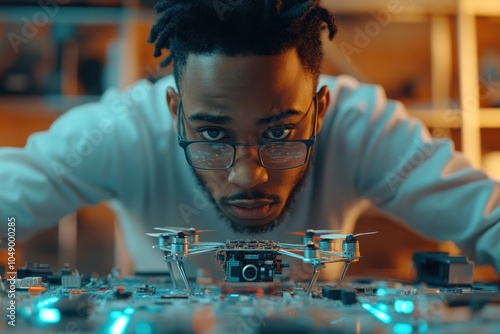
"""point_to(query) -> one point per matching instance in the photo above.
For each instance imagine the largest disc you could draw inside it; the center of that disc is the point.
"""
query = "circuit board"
(65, 301)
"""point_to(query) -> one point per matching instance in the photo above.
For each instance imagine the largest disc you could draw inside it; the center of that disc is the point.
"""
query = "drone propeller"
(157, 235)
(171, 228)
(311, 232)
(185, 230)
(343, 236)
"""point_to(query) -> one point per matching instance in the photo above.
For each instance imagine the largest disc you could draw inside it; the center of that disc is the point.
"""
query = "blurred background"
(441, 58)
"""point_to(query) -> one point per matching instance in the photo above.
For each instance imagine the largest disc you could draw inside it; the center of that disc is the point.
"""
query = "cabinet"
(442, 58)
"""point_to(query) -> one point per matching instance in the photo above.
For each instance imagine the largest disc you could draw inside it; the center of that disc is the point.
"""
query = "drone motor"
(311, 252)
(327, 245)
(350, 248)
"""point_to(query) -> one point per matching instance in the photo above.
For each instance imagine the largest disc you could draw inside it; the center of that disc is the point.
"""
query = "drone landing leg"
(172, 276)
(313, 280)
(346, 265)
(180, 266)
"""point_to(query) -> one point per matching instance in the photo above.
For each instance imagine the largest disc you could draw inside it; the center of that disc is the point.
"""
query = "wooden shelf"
(48, 104)
(472, 7)
(366, 6)
(451, 118)
(66, 15)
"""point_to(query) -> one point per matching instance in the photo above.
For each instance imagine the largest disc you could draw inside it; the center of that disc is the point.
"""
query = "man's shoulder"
(345, 84)
(347, 93)
(140, 92)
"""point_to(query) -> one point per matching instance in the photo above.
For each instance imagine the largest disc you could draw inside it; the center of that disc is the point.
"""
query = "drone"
(256, 260)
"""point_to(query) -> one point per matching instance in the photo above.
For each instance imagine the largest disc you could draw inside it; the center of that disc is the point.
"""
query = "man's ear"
(323, 97)
(173, 102)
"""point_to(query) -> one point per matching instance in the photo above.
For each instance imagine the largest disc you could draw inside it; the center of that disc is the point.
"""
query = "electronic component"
(347, 295)
(443, 269)
(250, 261)
(251, 299)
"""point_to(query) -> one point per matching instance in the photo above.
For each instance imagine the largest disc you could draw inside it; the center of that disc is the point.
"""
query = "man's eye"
(278, 133)
(212, 134)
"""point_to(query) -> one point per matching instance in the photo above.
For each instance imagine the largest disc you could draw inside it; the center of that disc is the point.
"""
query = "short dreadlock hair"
(240, 27)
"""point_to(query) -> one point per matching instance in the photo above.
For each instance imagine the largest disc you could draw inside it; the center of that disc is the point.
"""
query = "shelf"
(63, 15)
(450, 45)
(481, 7)
(489, 117)
(74, 15)
(49, 104)
(451, 118)
(366, 6)
(472, 7)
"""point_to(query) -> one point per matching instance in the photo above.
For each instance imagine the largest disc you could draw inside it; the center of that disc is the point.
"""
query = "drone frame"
(179, 243)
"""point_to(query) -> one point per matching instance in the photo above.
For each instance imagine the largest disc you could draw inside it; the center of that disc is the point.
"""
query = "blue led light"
(114, 314)
(423, 327)
(383, 307)
(46, 302)
(381, 292)
(49, 315)
(402, 328)
(120, 325)
(404, 306)
(382, 316)
(129, 310)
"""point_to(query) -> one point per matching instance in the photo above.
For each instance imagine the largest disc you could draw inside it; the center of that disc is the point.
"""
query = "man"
(249, 140)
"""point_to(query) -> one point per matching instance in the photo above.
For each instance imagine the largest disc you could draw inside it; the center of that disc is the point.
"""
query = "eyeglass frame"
(308, 142)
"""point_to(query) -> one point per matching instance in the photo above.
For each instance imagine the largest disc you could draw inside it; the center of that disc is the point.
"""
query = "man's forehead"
(217, 77)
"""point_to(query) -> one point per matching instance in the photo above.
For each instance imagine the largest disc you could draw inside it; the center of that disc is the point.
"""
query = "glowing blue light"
(382, 316)
(120, 324)
(423, 327)
(49, 315)
(404, 306)
(402, 328)
(114, 314)
(46, 302)
(129, 310)
(383, 307)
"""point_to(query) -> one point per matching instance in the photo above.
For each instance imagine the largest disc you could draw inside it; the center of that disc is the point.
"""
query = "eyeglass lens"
(272, 155)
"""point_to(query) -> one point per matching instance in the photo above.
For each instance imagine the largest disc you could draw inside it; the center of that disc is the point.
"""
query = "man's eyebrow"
(278, 117)
(223, 119)
(215, 119)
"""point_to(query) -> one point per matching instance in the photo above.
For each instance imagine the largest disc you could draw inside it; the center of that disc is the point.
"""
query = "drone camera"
(250, 260)
(252, 266)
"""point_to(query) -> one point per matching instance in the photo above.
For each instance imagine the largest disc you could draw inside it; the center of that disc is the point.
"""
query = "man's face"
(245, 99)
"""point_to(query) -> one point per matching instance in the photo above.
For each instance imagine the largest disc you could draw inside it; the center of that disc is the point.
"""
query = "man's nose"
(247, 172)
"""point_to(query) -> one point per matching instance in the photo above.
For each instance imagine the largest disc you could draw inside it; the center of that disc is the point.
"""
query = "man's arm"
(417, 179)
(90, 154)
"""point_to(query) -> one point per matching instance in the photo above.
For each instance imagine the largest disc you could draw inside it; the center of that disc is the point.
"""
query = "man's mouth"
(250, 209)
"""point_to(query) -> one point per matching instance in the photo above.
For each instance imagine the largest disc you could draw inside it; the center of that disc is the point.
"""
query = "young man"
(250, 141)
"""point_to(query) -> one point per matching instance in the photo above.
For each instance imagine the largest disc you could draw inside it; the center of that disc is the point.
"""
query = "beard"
(261, 229)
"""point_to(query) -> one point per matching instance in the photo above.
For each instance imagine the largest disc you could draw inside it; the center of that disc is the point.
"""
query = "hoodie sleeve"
(415, 178)
(91, 153)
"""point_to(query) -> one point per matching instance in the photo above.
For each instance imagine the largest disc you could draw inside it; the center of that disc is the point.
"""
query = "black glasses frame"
(307, 142)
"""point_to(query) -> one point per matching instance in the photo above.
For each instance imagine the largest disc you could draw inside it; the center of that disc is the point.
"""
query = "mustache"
(250, 195)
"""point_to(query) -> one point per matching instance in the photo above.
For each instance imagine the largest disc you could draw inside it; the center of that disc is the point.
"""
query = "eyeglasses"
(275, 154)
